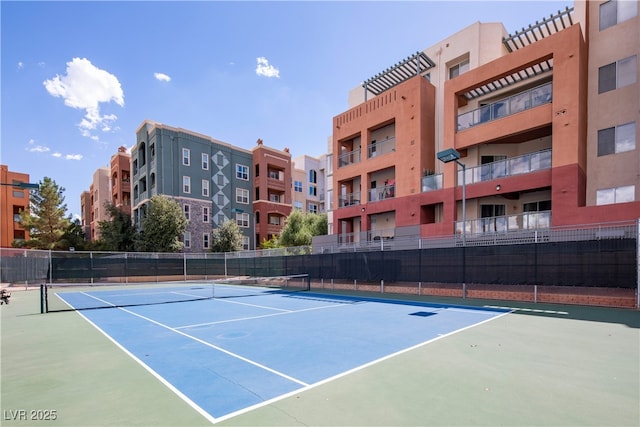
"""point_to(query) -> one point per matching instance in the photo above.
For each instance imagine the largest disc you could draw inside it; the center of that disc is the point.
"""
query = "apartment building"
(210, 179)
(272, 184)
(13, 200)
(121, 180)
(539, 127)
(310, 185)
(99, 196)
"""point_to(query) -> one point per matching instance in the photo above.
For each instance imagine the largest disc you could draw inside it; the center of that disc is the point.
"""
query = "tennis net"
(70, 297)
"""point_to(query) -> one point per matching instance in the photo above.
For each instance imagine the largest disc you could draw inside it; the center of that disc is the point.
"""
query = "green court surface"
(542, 365)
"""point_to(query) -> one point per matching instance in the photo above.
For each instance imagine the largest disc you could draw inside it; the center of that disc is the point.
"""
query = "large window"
(186, 156)
(313, 176)
(617, 139)
(242, 172)
(205, 214)
(297, 186)
(242, 196)
(205, 188)
(187, 239)
(609, 196)
(242, 219)
(245, 243)
(617, 74)
(205, 161)
(613, 12)
(460, 68)
(186, 184)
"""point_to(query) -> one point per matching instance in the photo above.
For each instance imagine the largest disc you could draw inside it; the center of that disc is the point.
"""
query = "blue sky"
(78, 78)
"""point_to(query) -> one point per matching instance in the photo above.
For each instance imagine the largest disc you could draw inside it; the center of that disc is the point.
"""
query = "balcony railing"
(505, 107)
(507, 223)
(508, 167)
(384, 192)
(381, 147)
(348, 158)
(432, 182)
(349, 200)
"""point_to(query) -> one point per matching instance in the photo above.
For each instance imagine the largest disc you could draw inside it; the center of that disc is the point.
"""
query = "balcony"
(349, 157)
(505, 107)
(384, 192)
(381, 147)
(350, 199)
(506, 223)
(528, 163)
(431, 182)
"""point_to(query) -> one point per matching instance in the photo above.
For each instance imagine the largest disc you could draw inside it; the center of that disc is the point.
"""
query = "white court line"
(358, 368)
(237, 356)
(258, 317)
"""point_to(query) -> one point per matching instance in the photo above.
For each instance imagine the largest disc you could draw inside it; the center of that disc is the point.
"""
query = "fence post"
(50, 268)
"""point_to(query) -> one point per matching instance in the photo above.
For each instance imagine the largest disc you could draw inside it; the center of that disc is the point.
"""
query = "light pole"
(23, 185)
(452, 155)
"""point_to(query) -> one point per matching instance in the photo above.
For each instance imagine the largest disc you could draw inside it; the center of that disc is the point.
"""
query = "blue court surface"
(230, 354)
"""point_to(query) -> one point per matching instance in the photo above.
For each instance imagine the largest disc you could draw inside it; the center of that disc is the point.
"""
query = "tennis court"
(199, 354)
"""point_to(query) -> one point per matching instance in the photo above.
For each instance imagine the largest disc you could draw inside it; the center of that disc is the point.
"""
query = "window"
(221, 219)
(242, 196)
(205, 188)
(186, 184)
(187, 211)
(205, 161)
(618, 74)
(459, 68)
(242, 172)
(220, 160)
(297, 186)
(205, 214)
(297, 205)
(313, 208)
(313, 176)
(186, 156)
(242, 219)
(187, 239)
(274, 220)
(610, 196)
(313, 190)
(543, 205)
(613, 12)
(205, 241)
(617, 139)
(221, 201)
(245, 243)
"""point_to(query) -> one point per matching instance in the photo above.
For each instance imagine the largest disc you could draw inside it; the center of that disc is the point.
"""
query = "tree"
(45, 219)
(299, 228)
(118, 233)
(73, 237)
(227, 237)
(162, 226)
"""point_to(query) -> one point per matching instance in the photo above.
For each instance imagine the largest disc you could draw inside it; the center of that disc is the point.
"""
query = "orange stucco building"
(519, 110)
(13, 200)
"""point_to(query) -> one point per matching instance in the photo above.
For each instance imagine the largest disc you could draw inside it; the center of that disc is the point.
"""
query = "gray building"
(210, 179)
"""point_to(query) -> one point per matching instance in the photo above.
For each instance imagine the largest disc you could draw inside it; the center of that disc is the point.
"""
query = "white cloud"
(56, 154)
(20, 65)
(162, 77)
(263, 68)
(32, 147)
(73, 157)
(85, 87)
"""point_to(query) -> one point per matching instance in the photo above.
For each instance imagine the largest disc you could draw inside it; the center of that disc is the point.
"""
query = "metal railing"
(506, 223)
(349, 157)
(505, 107)
(432, 182)
(382, 193)
(379, 148)
(350, 199)
(508, 167)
